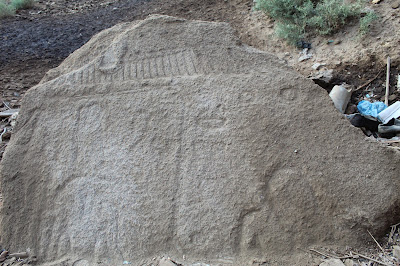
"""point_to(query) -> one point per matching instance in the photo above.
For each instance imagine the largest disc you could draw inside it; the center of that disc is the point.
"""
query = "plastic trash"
(393, 129)
(367, 108)
(340, 97)
(358, 120)
(389, 113)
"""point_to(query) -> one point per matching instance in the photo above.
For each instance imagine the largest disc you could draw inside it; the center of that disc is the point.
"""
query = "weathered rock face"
(169, 137)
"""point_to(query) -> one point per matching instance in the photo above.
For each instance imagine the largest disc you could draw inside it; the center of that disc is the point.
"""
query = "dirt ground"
(38, 39)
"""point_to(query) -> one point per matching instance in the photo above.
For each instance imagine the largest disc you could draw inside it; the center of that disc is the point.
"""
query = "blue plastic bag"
(367, 108)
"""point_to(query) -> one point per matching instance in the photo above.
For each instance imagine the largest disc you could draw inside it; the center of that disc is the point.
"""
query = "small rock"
(13, 119)
(317, 66)
(376, 1)
(332, 262)
(166, 262)
(304, 55)
(350, 262)
(13, 259)
(324, 76)
(396, 251)
(337, 63)
(3, 255)
(395, 5)
(336, 42)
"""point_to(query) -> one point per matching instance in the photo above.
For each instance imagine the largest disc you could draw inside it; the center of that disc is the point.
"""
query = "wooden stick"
(376, 242)
(395, 225)
(390, 238)
(21, 255)
(387, 81)
(390, 141)
(6, 105)
(322, 254)
(368, 82)
(371, 259)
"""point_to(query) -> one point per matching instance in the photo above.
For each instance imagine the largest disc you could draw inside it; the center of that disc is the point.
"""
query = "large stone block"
(169, 137)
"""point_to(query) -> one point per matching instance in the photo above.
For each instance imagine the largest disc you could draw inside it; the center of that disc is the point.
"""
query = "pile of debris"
(388, 254)
(375, 117)
(8, 118)
(20, 258)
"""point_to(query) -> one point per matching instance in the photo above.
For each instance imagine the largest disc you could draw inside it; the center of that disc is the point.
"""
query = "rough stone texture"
(332, 262)
(396, 251)
(169, 137)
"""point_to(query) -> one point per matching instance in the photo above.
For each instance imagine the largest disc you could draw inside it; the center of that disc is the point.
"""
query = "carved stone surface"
(168, 137)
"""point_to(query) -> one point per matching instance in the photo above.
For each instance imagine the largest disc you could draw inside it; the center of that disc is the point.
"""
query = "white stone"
(332, 262)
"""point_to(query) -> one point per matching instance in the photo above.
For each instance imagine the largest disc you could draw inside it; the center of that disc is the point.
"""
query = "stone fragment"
(166, 136)
(350, 262)
(325, 76)
(13, 119)
(166, 262)
(317, 66)
(396, 252)
(304, 55)
(332, 262)
(395, 4)
(3, 255)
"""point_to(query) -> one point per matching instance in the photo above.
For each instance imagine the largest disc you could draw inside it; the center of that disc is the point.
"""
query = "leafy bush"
(21, 4)
(366, 22)
(292, 33)
(299, 18)
(8, 8)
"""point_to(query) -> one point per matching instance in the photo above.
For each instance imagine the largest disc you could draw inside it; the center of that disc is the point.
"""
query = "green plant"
(21, 4)
(299, 18)
(366, 22)
(6, 10)
(292, 33)
(333, 14)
